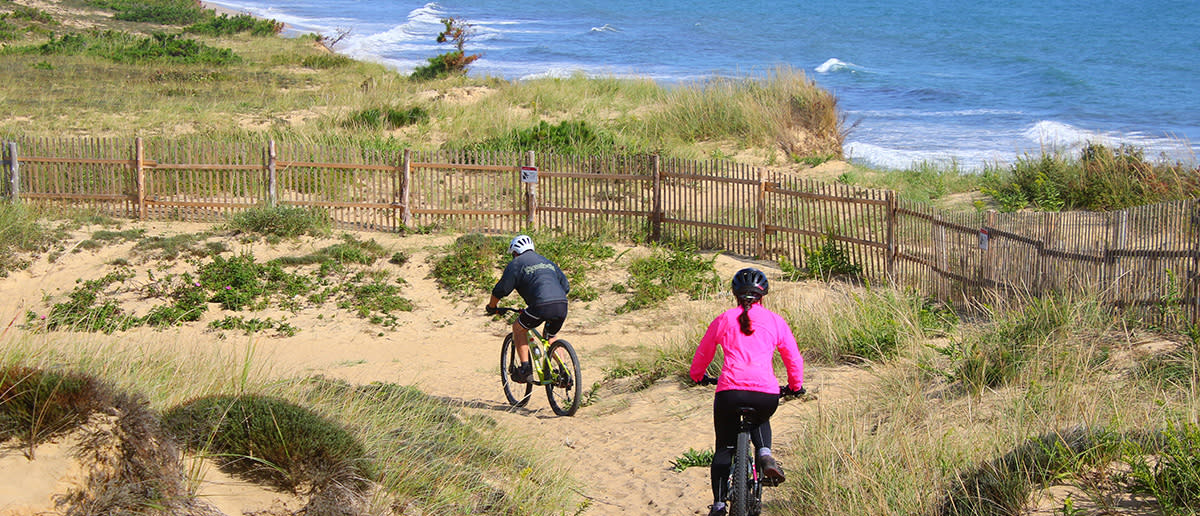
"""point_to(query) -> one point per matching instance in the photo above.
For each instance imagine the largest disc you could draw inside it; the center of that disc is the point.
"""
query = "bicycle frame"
(555, 367)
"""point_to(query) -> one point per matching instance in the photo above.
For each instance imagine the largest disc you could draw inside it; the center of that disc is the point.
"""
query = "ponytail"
(744, 320)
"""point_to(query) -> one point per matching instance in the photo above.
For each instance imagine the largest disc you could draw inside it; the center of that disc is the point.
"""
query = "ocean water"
(940, 81)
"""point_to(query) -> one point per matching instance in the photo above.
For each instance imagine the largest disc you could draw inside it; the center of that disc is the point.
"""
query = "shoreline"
(222, 9)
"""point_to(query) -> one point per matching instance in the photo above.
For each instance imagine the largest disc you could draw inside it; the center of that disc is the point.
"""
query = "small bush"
(225, 25)
(165, 12)
(470, 267)
(830, 261)
(36, 405)
(669, 271)
(271, 440)
(20, 233)
(325, 61)
(1173, 476)
(282, 221)
(254, 325)
(387, 117)
(1101, 178)
(574, 137)
(127, 48)
(83, 311)
(692, 459)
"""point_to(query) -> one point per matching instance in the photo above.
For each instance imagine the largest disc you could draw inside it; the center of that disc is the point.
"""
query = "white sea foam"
(605, 28)
(834, 64)
(1057, 136)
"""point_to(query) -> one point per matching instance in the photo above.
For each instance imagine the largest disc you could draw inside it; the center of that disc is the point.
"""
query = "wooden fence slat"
(1138, 256)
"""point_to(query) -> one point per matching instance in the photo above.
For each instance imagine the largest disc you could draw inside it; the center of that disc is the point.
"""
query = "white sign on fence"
(529, 174)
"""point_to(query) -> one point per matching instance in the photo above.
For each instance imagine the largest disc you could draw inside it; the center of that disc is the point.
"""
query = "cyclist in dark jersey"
(544, 288)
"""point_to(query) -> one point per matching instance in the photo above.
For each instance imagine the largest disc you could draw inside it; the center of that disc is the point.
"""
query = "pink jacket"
(748, 358)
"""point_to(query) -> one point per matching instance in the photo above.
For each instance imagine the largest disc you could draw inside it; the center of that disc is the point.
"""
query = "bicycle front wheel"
(509, 361)
(564, 387)
(741, 482)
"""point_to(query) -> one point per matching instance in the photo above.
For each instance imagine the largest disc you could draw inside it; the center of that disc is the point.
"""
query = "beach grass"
(390, 426)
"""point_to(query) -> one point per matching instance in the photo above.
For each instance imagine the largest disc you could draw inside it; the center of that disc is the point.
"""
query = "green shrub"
(83, 311)
(576, 257)
(127, 48)
(36, 405)
(574, 137)
(387, 117)
(470, 266)
(189, 302)
(8, 31)
(1172, 476)
(165, 12)
(375, 301)
(225, 25)
(1101, 178)
(20, 233)
(272, 440)
(353, 250)
(282, 221)
(325, 61)
(826, 262)
(666, 272)
(692, 459)
(254, 325)
(33, 14)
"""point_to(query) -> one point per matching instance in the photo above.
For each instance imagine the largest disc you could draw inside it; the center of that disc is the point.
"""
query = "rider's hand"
(785, 390)
(491, 310)
(707, 380)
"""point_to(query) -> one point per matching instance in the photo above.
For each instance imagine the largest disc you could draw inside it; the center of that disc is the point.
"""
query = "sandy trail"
(620, 447)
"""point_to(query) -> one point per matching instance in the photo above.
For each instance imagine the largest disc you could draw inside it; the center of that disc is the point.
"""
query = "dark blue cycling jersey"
(537, 279)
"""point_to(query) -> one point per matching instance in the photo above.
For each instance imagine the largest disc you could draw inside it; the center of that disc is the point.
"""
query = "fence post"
(890, 261)
(139, 166)
(405, 179)
(14, 167)
(272, 178)
(760, 213)
(1194, 277)
(989, 267)
(531, 194)
(656, 215)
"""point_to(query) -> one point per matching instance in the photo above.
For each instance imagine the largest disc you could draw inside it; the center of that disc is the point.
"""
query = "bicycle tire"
(564, 388)
(508, 362)
(741, 478)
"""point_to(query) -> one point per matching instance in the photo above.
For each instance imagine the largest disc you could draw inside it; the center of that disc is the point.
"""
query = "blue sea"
(939, 81)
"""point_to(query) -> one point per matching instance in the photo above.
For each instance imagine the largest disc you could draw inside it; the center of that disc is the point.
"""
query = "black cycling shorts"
(553, 314)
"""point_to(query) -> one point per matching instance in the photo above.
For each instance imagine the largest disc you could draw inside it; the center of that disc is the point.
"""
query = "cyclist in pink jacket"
(749, 335)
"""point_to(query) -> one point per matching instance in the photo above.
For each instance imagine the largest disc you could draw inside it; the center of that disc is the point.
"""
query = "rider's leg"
(725, 426)
(521, 340)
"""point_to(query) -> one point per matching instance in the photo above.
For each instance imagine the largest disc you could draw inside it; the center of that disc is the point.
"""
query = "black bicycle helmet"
(750, 282)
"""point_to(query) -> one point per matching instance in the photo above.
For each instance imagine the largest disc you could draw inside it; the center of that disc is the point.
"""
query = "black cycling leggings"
(553, 313)
(726, 407)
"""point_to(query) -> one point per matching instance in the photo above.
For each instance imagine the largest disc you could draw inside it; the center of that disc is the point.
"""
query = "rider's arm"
(495, 301)
(507, 282)
(793, 361)
(705, 351)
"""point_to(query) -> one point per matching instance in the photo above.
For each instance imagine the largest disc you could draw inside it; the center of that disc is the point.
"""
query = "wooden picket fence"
(1144, 259)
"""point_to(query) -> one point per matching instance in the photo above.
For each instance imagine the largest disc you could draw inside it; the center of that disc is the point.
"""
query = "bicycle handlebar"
(784, 390)
(503, 310)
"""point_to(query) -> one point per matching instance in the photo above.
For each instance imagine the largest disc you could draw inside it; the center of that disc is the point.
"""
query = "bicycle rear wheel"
(564, 387)
(509, 361)
(741, 482)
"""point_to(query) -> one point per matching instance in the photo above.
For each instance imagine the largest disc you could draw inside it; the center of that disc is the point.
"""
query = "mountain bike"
(745, 481)
(556, 366)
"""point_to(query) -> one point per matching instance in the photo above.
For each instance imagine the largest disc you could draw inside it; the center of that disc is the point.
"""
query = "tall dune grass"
(429, 456)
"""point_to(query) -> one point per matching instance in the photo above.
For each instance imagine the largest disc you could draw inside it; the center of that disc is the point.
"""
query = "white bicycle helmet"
(520, 244)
